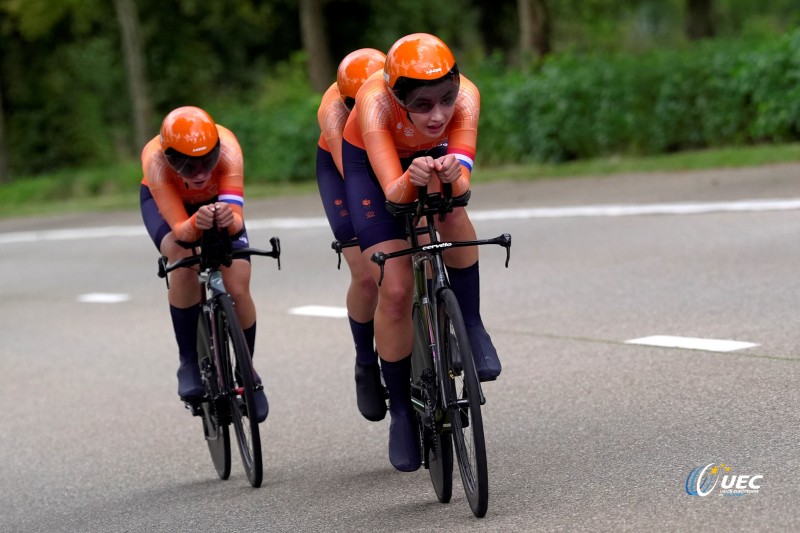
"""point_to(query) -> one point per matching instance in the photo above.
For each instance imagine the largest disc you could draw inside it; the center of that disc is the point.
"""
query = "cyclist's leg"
(362, 293)
(393, 337)
(378, 230)
(183, 297)
(362, 300)
(462, 268)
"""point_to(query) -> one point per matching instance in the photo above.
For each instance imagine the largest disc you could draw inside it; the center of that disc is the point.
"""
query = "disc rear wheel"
(215, 422)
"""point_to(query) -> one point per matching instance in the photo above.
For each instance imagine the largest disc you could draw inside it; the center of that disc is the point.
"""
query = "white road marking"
(319, 310)
(104, 298)
(691, 208)
(691, 343)
(499, 214)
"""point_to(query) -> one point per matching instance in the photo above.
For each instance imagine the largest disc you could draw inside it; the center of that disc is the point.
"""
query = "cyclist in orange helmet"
(415, 124)
(362, 294)
(194, 180)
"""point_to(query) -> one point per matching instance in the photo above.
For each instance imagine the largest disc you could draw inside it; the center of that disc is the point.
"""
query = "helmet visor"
(423, 96)
(189, 166)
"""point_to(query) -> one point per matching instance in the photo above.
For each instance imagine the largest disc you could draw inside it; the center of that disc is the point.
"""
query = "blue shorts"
(372, 223)
(158, 228)
(334, 198)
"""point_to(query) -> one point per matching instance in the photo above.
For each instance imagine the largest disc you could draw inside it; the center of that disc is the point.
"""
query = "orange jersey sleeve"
(171, 192)
(380, 126)
(332, 116)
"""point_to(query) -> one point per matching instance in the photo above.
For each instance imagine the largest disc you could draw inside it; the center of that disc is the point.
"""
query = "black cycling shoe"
(190, 386)
(404, 452)
(262, 406)
(370, 392)
(484, 353)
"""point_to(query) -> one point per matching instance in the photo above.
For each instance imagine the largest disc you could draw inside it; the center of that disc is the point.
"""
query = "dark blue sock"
(184, 322)
(465, 283)
(363, 336)
(397, 376)
(250, 338)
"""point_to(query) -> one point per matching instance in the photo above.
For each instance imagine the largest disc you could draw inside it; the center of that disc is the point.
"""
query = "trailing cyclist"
(362, 294)
(414, 124)
(194, 180)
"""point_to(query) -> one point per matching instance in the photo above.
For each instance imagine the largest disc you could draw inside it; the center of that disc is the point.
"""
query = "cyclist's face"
(431, 108)
(197, 181)
(195, 170)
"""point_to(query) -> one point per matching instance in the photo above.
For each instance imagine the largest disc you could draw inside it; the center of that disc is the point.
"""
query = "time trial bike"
(445, 390)
(225, 361)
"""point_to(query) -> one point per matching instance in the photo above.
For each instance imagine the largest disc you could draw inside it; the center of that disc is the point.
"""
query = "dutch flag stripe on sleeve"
(463, 156)
(231, 196)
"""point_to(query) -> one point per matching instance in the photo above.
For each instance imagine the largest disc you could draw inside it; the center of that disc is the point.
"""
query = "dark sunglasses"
(189, 166)
(425, 99)
(349, 102)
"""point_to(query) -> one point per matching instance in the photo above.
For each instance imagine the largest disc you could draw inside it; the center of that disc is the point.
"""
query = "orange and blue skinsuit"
(332, 116)
(380, 141)
(169, 204)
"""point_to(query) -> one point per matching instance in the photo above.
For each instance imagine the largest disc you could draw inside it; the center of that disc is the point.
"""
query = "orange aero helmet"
(189, 130)
(354, 70)
(190, 140)
(418, 60)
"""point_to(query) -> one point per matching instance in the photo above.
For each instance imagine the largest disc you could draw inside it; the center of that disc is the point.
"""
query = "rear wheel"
(465, 404)
(242, 402)
(437, 447)
(440, 465)
(215, 423)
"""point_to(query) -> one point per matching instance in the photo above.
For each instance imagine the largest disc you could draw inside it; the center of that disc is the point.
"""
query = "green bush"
(715, 93)
(278, 132)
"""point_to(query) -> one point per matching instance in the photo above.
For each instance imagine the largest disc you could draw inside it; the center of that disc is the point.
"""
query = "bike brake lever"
(447, 201)
(507, 245)
(379, 258)
(276, 249)
(162, 269)
(337, 247)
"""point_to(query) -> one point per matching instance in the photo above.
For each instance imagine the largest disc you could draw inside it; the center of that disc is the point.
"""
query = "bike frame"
(212, 286)
(430, 255)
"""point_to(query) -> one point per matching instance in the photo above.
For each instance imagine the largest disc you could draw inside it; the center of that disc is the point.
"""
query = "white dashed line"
(319, 310)
(691, 343)
(103, 298)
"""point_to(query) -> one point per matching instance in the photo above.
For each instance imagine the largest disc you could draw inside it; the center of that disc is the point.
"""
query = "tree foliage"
(67, 102)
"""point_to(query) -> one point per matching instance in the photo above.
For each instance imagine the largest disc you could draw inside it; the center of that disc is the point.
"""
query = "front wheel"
(242, 394)
(464, 403)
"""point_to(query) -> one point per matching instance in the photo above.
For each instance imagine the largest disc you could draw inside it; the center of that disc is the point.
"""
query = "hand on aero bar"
(421, 170)
(219, 213)
(447, 168)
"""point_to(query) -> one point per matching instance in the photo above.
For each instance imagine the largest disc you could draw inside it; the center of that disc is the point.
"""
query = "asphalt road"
(585, 432)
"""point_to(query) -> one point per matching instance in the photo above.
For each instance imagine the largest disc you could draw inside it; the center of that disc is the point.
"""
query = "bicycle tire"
(242, 401)
(215, 423)
(465, 404)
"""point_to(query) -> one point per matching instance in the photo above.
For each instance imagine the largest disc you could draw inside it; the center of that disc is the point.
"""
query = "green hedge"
(711, 94)
(573, 107)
